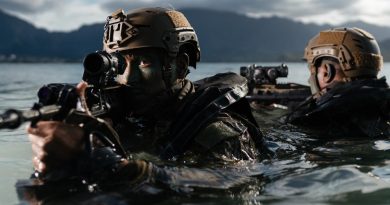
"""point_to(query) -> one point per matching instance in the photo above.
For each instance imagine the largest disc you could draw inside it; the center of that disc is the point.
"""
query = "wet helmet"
(356, 50)
(151, 27)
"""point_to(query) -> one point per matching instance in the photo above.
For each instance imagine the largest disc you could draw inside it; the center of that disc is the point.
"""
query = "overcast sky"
(65, 15)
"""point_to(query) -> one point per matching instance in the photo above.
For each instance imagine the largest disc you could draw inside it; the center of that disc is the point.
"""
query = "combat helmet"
(151, 27)
(356, 50)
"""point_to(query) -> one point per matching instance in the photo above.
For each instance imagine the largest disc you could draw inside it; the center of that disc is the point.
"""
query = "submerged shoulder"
(222, 128)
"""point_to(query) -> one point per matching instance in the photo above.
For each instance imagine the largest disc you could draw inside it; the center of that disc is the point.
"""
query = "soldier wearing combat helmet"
(348, 98)
(165, 115)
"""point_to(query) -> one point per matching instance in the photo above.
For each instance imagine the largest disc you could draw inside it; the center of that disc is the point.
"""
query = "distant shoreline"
(80, 61)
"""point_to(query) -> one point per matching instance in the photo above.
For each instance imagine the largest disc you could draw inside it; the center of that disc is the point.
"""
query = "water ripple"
(326, 182)
(382, 145)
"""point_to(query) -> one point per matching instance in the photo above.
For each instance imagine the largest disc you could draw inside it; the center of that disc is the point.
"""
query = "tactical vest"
(358, 108)
(220, 93)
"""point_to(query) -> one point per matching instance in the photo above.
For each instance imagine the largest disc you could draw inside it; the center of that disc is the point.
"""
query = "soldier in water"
(348, 97)
(169, 123)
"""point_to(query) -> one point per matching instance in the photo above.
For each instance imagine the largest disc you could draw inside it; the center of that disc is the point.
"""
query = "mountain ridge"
(224, 37)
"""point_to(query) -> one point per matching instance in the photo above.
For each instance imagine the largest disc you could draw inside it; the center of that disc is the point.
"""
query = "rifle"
(264, 89)
(60, 101)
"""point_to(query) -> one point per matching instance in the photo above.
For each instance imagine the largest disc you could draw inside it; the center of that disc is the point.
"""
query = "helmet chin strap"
(313, 84)
(167, 72)
(170, 76)
(182, 69)
(174, 69)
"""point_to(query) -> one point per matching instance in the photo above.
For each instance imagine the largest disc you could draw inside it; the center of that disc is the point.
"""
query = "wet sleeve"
(226, 141)
(145, 177)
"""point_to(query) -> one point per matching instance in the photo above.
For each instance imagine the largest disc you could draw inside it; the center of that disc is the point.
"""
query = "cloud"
(56, 15)
(70, 14)
(282, 7)
(30, 6)
(313, 11)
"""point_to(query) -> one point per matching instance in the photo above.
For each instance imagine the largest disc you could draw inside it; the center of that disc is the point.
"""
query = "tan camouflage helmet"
(356, 50)
(150, 27)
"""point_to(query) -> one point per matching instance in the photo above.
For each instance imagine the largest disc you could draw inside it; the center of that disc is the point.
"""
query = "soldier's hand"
(54, 144)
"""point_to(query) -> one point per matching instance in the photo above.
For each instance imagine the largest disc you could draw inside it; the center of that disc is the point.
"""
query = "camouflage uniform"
(356, 109)
(202, 136)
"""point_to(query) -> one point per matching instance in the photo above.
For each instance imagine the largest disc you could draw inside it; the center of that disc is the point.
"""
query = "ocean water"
(309, 171)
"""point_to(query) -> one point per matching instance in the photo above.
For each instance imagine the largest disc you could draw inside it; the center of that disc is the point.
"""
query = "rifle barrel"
(12, 118)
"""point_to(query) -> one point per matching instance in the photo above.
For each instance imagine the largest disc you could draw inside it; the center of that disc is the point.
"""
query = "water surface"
(305, 169)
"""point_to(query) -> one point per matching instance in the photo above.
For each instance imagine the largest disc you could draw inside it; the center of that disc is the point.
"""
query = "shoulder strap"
(214, 94)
